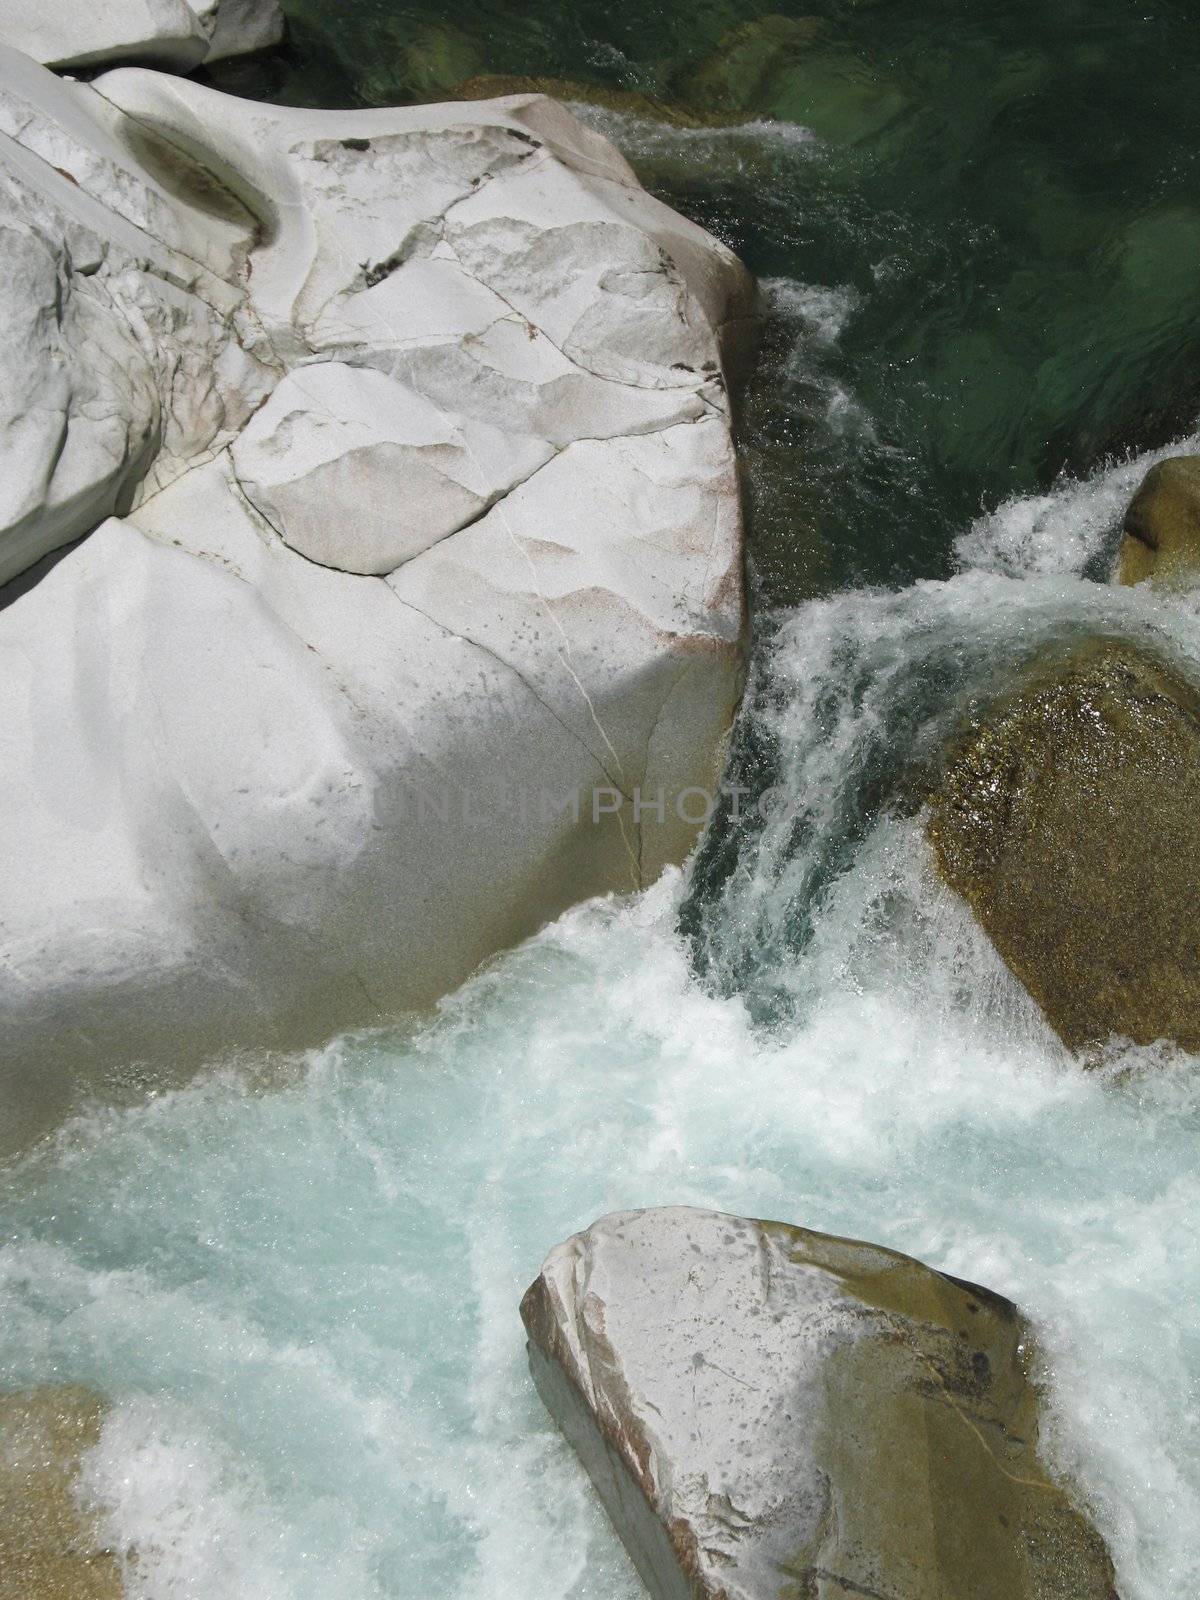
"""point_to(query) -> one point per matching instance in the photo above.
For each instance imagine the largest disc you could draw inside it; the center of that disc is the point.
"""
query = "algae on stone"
(741, 71)
(1070, 822)
(1162, 525)
(48, 1548)
(785, 68)
(421, 63)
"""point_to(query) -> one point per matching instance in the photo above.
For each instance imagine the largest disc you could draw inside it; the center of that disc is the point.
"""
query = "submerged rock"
(1162, 525)
(1070, 822)
(786, 68)
(422, 557)
(49, 1549)
(417, 62)
(773, 1414)
(629, 102)
(180, 34)
(742, 72)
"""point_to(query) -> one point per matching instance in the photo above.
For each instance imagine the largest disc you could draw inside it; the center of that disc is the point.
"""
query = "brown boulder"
(49, 1549)
(1162, 525)
(1070, 822)
(774, 1414)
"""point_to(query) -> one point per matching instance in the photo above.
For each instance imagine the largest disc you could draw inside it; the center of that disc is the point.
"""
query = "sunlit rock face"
(119, 358)
(773, 1414)
(180, 34)
(412, 433)
(1067, 820)
(50, 1548)
(1162, 526)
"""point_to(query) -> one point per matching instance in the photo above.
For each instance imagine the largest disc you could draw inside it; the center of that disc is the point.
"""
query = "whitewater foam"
(299, 1292)
(302, 1300)
(1063, 531)
(818, 312)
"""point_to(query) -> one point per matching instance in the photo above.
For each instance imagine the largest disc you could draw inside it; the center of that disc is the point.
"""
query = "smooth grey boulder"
(120, 361)
(411, 599)
(178, 34)
(773, 1414)
(239, 27)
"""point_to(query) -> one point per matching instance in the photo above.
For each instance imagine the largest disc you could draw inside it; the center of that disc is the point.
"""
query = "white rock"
(771, 1412)
(118, 364)
(180, 34)
(361, 472)
(237, 27)
(408, 558)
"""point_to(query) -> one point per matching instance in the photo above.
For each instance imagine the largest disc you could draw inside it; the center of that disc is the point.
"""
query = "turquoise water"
(302, 1300)
(296, 1282)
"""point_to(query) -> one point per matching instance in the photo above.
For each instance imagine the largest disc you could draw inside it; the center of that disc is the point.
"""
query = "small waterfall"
(297, 1281)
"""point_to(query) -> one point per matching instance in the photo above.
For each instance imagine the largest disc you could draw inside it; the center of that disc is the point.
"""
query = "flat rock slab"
(774, 1414)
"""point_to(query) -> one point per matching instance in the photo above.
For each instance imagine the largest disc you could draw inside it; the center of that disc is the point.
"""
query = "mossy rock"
(422, 64)
(48, 1548)
(742, 70)
(784, 68)
(1162, 525)
(1070, 822)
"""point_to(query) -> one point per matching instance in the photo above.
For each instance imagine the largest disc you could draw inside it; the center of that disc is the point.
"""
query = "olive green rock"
(420, 63)
(776, 1414)
(48, 1548)
(741, 72)
(787, 69)
(1070, 822)
(1162, 525)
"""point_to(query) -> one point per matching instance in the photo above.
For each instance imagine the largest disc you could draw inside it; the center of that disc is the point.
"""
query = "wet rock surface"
(1068, 820)
(49, 1548)
(1162, 526)
(770, 1412)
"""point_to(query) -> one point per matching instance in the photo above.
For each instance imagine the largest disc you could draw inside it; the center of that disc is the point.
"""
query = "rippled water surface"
(978, 230)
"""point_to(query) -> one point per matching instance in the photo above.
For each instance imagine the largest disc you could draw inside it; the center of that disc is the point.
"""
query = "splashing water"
(299, 1288)
(297, 1283)
(1065, 531)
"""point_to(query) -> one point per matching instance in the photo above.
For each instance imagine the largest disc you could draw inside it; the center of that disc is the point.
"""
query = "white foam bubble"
(755, 152)
(301, 1300)
(817, 310)
(1064, 530)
